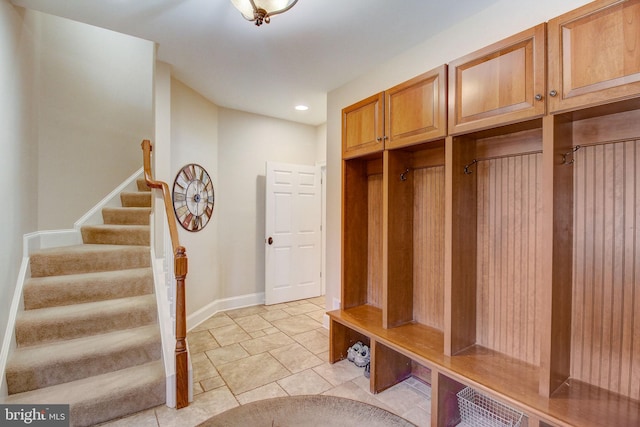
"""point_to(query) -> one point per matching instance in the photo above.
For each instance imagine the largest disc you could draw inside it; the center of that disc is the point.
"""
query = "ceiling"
(298, 58)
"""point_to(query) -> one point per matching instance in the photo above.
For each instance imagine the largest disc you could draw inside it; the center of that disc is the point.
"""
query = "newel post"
(182, 364)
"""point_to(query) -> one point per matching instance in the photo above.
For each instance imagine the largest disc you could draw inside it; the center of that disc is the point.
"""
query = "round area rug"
(307, 411)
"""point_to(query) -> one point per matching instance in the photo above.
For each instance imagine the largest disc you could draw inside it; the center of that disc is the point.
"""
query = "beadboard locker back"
(428, 238)
(509, 219)
(374, 270)
(606, 271)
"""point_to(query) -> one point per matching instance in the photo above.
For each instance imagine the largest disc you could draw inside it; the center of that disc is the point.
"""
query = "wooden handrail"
(166, 194)
(180, 265)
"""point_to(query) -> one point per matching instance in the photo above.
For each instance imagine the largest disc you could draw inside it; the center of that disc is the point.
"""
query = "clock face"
(193, 197)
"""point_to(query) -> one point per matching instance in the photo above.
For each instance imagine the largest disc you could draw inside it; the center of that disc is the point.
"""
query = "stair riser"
(122, 216)
(115, 236)
(119, 405)
(136, 200)
(142, 185)
(54, 264)
(67, 290)
(33, 332)
(58, 372)
(105, 397)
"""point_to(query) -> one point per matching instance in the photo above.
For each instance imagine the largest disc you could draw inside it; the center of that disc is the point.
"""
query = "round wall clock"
(193, 197)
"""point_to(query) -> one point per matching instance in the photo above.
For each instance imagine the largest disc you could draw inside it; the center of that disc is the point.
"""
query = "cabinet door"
(501, 84)
(415, 111)
(363, 127)
(594, 55)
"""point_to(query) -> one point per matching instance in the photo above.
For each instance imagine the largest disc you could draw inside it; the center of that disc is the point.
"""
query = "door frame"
(323, 228)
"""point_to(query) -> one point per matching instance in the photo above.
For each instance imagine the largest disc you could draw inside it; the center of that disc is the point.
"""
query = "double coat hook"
(570, 153)
(468, 171)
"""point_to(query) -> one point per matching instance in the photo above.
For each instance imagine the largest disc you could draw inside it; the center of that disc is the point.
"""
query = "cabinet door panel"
(415, 110)
(363, 127)
(498, 84)
(594, 55)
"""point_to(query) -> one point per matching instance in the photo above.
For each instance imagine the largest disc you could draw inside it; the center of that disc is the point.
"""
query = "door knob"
(270, 240)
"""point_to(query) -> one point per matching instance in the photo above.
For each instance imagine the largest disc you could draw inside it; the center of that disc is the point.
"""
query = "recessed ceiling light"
(302, 107)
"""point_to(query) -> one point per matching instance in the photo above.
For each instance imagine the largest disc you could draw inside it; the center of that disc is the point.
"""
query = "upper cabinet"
(415, 111)
(501, 84)
(594, 55)
(407, 114)
(363, 127)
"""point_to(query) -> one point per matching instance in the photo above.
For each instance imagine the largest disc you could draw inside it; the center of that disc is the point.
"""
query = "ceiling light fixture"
(261, 11)
(301, 107)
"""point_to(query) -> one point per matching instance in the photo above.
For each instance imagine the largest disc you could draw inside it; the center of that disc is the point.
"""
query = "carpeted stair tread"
(44, 325)
(108, 234)
(78, 259)
(139, 199)
(97, 399)
(53, 291)
(132, 215)
(42, 366)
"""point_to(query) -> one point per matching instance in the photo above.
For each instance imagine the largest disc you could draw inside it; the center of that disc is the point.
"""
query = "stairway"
(89, 335)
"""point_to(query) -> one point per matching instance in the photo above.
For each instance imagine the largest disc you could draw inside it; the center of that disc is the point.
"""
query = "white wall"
(226, 259)
(246, 142)
(194, 139)
(18, 144)
(161, 148)
(502, 19)
(95, 107)
(321, 143)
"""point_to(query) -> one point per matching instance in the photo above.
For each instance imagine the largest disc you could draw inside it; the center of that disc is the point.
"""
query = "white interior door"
(293, 236)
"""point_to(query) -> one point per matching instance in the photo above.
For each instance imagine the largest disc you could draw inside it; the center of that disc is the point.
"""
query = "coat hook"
(403, 175)
(564, 156)
(468, 171)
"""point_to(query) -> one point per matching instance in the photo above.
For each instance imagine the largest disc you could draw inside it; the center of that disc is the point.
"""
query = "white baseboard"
(325, 321)
(94, 215)
(9, 340)
(39, 240)
(216, 306)
(242, 301)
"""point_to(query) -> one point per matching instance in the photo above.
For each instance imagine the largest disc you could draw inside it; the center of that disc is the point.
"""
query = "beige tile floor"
(259, 352)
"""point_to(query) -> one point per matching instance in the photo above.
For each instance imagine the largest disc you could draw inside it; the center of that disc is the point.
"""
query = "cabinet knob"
(379, 139)
(553, 93)
(538, 97)
(385, 137)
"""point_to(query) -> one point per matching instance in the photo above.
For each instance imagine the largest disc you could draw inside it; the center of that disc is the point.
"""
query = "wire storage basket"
(479, 410)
